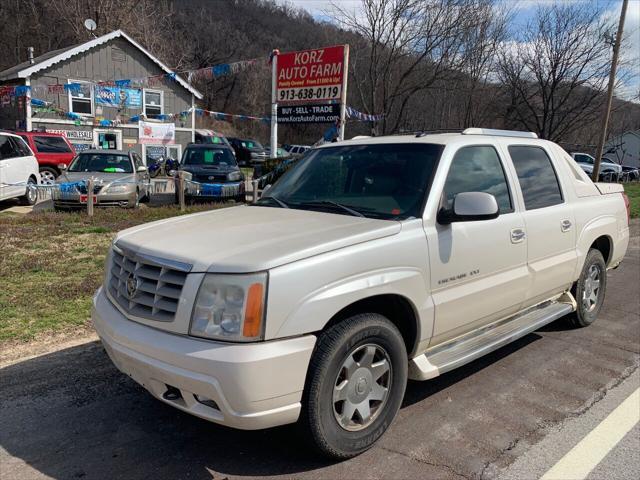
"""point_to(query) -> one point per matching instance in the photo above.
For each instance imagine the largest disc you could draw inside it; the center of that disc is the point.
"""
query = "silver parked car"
(120, 180)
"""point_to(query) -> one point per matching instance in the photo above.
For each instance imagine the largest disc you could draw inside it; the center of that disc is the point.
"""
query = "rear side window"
(21, 147)
(51, 145)
(7, 148)
(477, 169)
(538, 179)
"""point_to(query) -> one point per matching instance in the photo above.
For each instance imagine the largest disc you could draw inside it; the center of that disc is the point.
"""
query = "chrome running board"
(459, 351)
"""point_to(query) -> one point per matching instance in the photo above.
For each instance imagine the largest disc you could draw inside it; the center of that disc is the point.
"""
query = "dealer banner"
(156, 133)
(118, 97)
(310, 75)
(318, 113)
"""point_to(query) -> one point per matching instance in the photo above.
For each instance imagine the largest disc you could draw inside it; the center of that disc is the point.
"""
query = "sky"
(525, 10)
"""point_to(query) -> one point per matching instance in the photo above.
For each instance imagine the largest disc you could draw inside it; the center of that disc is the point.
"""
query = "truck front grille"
(145, 286)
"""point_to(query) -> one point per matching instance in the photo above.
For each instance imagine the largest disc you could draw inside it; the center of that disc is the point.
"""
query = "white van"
(18, 169)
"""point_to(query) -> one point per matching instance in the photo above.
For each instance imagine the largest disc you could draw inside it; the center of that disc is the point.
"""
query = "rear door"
(549, 222)
(478, 268)
(12, 169)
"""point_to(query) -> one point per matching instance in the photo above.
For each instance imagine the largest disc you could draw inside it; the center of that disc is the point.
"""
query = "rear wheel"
(589, 290)
(356, 382)
(31, 195)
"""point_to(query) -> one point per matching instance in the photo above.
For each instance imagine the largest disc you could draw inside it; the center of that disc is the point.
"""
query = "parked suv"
(586, 162)
(248, 151)
(51, 151)
(369, 262)
(212, 173)
(18, 170)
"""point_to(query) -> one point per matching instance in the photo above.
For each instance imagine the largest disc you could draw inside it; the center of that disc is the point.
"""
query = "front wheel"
(356, 382)
(589, 290)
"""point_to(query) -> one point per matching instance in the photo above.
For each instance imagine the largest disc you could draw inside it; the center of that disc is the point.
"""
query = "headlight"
(117, 189)
(230, 307)
(234, 176)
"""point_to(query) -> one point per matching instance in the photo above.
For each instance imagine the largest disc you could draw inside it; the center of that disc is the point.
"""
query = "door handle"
(565, 225)
(518, 235)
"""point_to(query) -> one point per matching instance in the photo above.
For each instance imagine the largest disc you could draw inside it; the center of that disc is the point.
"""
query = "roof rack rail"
(500, 133)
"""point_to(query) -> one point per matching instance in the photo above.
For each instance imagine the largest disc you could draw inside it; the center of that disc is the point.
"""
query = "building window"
(153, 102)
(81, 99)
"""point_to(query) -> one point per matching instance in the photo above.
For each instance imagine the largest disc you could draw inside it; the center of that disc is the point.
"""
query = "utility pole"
(612, 81)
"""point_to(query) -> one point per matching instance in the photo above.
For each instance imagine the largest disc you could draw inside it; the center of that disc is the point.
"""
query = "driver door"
(478, 268)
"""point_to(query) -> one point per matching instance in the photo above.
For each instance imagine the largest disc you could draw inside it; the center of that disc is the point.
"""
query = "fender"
(305, 295)
(600, 226)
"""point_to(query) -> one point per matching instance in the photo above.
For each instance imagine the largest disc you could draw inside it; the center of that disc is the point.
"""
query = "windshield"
(101, 162)
(251, 145)
(387, 181)
(208, 156)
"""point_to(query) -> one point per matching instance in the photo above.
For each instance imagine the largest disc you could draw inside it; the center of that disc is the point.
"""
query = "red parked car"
(50, 149)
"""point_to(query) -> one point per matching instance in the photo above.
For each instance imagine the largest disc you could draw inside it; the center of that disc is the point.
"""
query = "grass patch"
(51, 264)
(633, 192)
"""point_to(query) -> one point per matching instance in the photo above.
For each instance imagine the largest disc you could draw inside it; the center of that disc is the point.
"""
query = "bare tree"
(556, 70)
(407, 46)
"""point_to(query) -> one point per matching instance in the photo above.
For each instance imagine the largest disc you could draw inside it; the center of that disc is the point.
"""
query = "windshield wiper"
(277, 200)
(349, 210)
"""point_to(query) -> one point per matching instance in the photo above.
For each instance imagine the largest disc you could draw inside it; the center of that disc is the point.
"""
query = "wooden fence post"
(90, 197)
(181, 190)
(255, 191)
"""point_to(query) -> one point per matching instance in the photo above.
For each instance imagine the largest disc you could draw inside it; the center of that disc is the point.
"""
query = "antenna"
(90, 25)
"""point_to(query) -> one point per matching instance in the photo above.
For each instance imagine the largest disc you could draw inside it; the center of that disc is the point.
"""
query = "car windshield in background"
(101, 162)
(387, 181)
(208, 156)
(251, 145)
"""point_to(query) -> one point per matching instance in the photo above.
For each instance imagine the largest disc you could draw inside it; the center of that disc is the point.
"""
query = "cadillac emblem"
(132, 285)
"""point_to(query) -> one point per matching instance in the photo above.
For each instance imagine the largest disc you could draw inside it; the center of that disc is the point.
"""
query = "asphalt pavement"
(512, 414)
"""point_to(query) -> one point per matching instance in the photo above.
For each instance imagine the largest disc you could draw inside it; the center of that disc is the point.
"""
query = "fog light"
(206, 401)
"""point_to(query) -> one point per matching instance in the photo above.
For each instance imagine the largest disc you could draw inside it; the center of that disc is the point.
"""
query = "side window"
(51, 144)
(584, 159)
(477, 169)
(7, 149)
(21, 148)
(538, 179)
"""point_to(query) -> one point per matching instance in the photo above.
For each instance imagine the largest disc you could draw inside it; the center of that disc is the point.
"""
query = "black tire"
(30, 198)
(48, 175)
(588, 299)
(320, 409)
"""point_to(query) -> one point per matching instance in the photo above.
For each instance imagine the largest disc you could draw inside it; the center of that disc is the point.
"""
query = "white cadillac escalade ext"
(369, 262)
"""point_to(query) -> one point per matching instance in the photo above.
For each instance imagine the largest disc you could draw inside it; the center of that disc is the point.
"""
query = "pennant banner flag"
(207, 73)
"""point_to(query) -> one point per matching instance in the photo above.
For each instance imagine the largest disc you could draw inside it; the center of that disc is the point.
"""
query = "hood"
(101, 177)
(210, 169)
(250, 239)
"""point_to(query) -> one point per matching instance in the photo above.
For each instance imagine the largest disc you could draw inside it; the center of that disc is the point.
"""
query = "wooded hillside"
(424, 64)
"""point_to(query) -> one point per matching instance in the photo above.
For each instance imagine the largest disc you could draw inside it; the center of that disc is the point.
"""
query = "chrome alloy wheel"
(32, 192)
(591, 288)
(362, 387)
(47, 177)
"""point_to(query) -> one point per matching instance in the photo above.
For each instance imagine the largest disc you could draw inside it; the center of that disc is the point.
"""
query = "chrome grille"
(146, 286)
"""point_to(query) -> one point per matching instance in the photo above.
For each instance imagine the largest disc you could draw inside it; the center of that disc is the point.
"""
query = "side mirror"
(141, 169)
(62, 167)
(266, 189)
(470, 207)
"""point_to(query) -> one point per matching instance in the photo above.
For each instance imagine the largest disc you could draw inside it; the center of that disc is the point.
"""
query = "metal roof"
(26, 69)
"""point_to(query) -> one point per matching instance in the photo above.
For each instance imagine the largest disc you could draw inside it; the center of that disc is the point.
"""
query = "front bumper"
(254, 386)
(102, 200)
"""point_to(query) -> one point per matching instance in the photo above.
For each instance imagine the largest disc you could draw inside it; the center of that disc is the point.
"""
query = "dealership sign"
(82, 135)
(320, 113)
(156, 133)
(310, 75)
